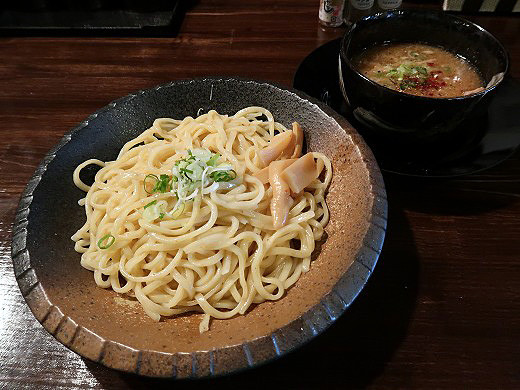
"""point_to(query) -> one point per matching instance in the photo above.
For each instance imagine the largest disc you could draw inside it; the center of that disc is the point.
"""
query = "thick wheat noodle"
(221, 255)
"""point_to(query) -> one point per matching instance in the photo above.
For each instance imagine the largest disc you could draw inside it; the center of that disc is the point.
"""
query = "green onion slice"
(163, 184)
(223, 175)
(213, 160)
(151, 203)
(150, 177)
(160, 184)
(106, 241)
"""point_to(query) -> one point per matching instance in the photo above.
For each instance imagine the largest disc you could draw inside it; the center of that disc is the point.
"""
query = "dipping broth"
(419, 69)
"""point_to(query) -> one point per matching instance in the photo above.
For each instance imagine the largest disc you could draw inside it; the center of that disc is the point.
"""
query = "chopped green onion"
(197, 171)
(407, 70)
(151, 203)
(213, 160)
(203, 155)
(161, 184)
(108, 239)
(393, 74)
(151, 177)
(223, 175)
(161, 215)
(421, 69)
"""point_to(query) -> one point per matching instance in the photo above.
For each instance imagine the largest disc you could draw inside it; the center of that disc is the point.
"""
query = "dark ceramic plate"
(94, 323)
(497, 136)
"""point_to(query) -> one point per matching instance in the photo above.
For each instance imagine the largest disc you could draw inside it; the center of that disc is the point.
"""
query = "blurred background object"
(355, 10)
(358, 9)
(387, 5)
(497, 6)
(92, 17)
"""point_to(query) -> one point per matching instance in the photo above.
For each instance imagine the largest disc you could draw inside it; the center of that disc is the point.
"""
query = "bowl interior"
(452, 33)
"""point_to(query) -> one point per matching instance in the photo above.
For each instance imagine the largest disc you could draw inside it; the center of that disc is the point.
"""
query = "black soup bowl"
(398, 118)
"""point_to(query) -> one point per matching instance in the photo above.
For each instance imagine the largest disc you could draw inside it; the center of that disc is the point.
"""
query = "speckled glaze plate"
(92, 321)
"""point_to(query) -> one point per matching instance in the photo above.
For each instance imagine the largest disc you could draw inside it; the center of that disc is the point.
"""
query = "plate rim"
(241, 356)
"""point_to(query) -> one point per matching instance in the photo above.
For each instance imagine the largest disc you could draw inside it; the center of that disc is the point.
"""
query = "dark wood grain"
(442, 309)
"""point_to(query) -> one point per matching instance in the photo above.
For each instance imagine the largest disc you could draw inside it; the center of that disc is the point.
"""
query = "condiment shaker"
(331, 12)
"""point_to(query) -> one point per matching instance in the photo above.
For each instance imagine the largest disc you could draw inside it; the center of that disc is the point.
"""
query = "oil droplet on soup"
(419, 69)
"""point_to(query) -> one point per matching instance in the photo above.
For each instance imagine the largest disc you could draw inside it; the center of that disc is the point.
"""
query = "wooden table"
(442, 309)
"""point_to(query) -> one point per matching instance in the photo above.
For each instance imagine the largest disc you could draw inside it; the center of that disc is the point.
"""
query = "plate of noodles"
(216, 224)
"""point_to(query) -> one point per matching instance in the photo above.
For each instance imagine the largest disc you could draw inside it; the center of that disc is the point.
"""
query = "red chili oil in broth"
(419, 69)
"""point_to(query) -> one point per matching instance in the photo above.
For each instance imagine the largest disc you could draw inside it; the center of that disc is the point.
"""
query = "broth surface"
(419, 69)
